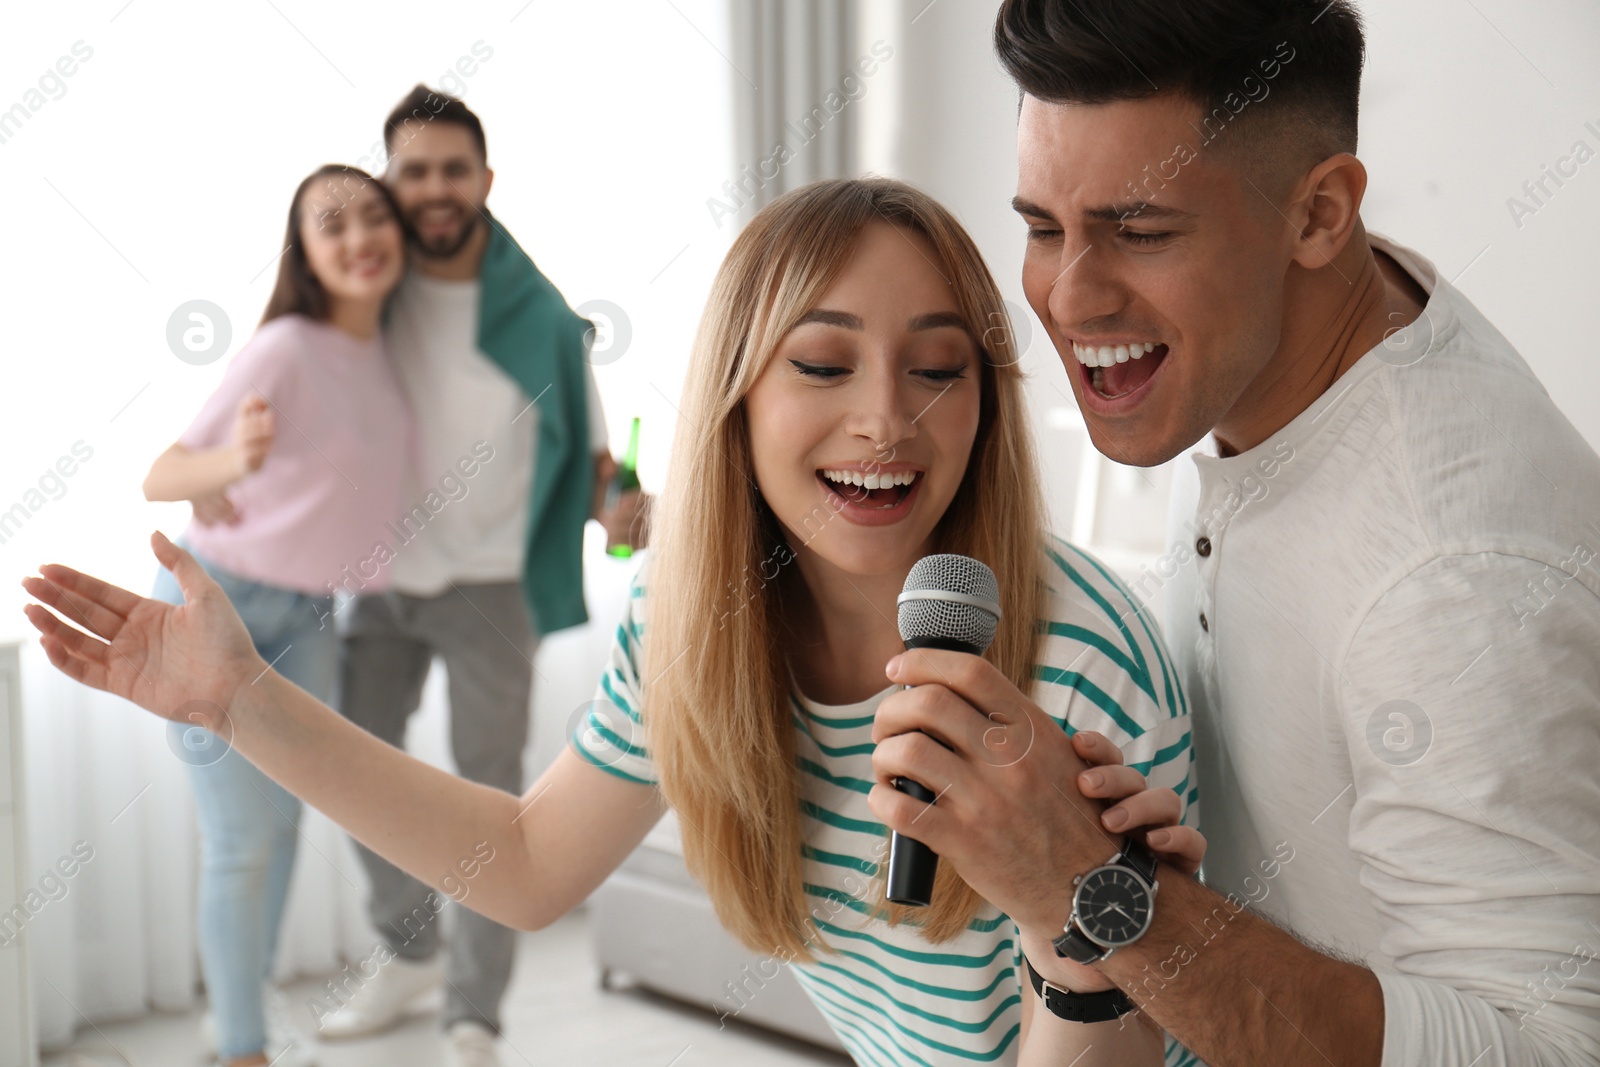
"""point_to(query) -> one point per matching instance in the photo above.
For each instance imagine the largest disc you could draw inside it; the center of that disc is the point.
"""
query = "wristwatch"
(1112, 905)
(1079, 1007)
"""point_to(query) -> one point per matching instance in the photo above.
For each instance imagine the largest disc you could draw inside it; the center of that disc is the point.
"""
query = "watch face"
(1113, 906)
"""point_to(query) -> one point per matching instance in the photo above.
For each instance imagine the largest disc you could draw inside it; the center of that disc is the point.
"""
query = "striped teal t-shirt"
(893, 997)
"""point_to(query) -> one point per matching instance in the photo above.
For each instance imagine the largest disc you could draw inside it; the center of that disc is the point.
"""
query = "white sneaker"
(285, 1039)
(471, 1045)
(286, 1045)
(382, 1000)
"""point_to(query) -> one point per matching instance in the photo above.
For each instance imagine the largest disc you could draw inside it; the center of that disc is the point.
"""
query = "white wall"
(163, 172)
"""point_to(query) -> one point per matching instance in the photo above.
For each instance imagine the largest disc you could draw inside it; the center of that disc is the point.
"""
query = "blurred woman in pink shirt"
(293, 466)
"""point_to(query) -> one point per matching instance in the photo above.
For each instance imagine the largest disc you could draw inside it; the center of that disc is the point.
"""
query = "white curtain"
(121, 941)
(790, 63)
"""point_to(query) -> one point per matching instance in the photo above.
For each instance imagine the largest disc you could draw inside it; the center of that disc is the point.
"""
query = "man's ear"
(1325, 207)
(488, 181)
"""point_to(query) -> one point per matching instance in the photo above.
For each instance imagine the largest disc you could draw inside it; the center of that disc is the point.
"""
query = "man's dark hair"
(1101, 51)
(423, 105)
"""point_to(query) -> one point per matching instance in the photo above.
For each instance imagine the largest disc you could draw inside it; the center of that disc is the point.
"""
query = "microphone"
(949, 602)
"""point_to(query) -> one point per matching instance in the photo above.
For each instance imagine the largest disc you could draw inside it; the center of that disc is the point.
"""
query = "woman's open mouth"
(368, 266)
(870, 497)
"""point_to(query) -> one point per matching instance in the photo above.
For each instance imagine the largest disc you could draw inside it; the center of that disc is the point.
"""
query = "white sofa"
(654, 925)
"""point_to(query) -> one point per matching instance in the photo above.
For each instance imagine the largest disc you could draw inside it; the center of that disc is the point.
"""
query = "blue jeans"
(248, 823)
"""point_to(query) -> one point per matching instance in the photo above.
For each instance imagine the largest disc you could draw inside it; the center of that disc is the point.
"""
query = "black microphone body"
(953, 619)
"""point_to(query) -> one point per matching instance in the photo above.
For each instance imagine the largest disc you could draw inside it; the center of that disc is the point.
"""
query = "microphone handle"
(912, 864)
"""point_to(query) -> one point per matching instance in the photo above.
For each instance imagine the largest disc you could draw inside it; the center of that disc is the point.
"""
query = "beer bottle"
(627, 480)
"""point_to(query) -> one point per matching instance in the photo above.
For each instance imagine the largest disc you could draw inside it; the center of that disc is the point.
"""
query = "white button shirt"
(1390, 636)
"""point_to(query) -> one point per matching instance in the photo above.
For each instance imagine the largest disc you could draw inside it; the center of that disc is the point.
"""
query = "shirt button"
(1203, 546)
(1204, 625)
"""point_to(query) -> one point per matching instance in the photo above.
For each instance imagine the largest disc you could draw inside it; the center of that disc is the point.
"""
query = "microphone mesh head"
(966, 622)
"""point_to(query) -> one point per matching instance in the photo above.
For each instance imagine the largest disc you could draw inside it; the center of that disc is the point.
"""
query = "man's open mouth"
(1114, 371)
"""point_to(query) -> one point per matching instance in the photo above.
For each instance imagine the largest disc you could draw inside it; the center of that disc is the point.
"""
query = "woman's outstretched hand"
(183, 663)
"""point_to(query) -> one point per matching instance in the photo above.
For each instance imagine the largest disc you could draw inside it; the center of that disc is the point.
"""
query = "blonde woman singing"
(853, 403)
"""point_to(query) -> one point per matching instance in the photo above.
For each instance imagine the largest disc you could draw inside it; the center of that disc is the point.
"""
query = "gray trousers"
(483, 634)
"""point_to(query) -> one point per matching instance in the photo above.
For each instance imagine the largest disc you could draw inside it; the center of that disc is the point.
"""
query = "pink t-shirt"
(313, 517)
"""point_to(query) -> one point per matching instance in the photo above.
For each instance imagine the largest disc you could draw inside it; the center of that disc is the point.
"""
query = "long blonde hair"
(715, 699)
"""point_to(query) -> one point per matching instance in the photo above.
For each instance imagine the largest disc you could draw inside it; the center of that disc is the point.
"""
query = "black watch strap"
(1137, 854)
(1074, 945)
(1079, 1007)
